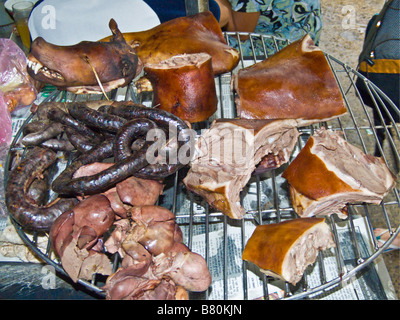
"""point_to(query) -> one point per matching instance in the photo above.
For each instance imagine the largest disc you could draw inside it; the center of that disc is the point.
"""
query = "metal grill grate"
(221, 240)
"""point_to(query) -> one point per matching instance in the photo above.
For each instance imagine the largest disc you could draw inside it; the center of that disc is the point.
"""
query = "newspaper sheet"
(368, 285)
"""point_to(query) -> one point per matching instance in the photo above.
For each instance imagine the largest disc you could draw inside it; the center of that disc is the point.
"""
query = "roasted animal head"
(185, 35)
(86, 67)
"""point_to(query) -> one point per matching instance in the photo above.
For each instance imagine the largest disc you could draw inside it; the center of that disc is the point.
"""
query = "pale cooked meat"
(329, 173)
(228, 153)
(284, 250)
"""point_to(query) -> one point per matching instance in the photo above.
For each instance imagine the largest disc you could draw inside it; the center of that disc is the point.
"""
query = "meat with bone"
(295, 83)
(184, 85)
(190, 34)
(329, 173)
(284, 250)
(228, 153)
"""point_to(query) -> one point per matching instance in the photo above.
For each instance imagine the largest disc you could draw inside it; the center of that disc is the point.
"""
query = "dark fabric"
(170, 9)
(382, 41)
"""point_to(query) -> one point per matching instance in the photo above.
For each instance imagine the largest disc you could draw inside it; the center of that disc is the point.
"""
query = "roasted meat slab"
(295, 83)
(184, 85)
(284, 250)
(190, 34)
(228, 153)
(329, 173)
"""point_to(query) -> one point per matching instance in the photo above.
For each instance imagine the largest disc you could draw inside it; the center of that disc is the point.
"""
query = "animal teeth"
(35, 66)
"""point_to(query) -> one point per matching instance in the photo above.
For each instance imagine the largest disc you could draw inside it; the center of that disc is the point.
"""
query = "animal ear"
(117, 35)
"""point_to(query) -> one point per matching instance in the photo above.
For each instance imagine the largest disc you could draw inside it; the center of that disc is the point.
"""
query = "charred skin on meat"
(86, 67)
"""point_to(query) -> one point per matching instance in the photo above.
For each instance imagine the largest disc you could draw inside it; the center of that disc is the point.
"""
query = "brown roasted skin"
(309, 175)
(184, 86)
(294, 83)
(269, 243)
(72, 67)
(190, 34)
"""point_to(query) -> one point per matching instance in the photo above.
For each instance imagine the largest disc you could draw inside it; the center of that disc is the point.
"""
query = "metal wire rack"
(221, 240)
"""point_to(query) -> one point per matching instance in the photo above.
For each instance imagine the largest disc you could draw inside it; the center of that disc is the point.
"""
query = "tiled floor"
(342, 37)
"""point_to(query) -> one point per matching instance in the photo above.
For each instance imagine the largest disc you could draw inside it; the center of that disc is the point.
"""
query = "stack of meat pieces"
(326, 175)
(77, 234)
(295, 87)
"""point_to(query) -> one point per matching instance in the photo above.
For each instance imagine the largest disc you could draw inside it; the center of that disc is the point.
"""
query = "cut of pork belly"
(284, 250)
(295, 83)
(329, 173)
(228, 153)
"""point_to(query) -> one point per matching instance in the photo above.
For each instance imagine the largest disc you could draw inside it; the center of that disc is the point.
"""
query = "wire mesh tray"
(221, 240)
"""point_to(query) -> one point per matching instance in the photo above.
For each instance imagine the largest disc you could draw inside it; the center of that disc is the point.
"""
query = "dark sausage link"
(64, 118)
(105, 179)
(38, 191)
(164, 120)
(128, 134)
(35, 126)
(58, 145)
(97, 154)
(157, 171)
(42, 110)
(81, 142)
(28, 215)
(53, 129)
(127, 163)
(95, 118)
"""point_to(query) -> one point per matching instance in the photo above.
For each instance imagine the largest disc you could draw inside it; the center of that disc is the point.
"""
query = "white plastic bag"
(5, 122)
(18, 87)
